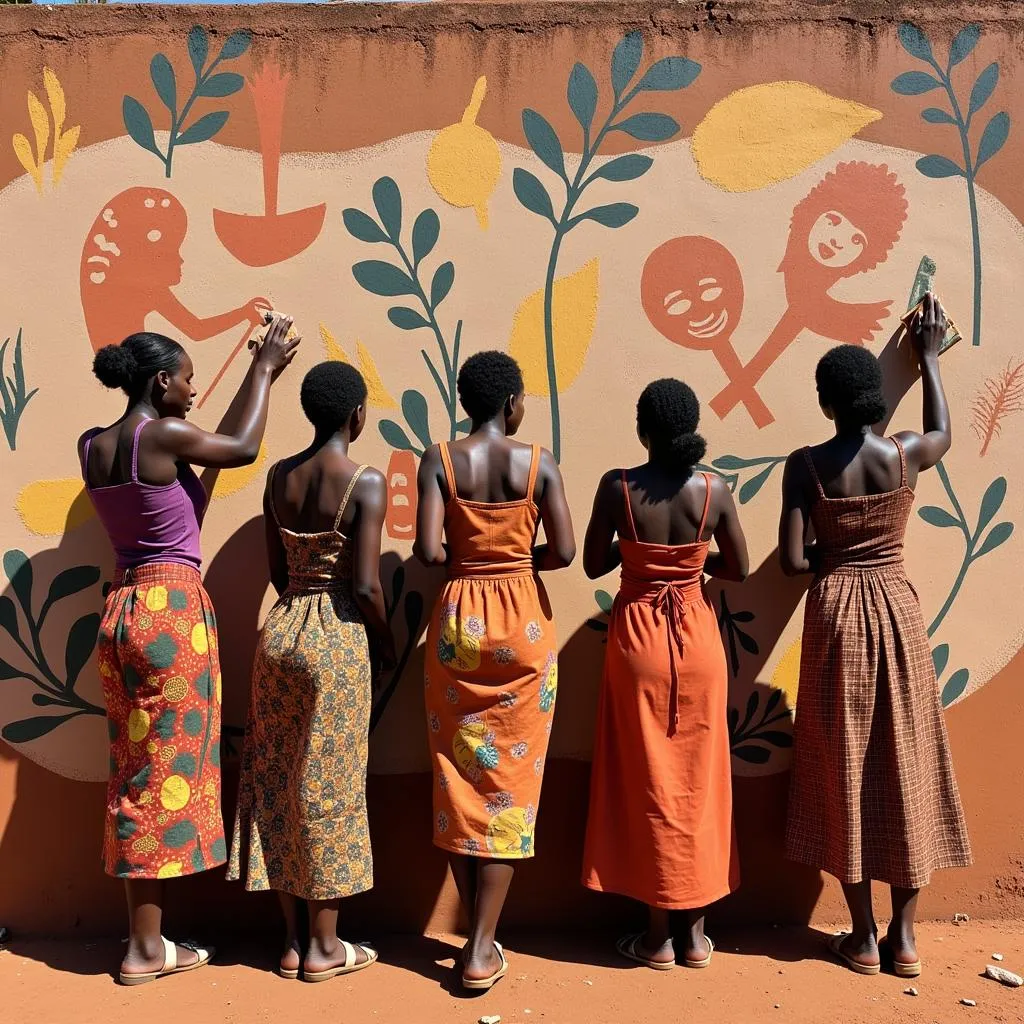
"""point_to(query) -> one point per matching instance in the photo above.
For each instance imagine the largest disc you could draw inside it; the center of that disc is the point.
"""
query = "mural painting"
(748, 226)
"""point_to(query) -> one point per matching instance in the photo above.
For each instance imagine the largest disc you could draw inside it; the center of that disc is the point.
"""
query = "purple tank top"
(149, 523)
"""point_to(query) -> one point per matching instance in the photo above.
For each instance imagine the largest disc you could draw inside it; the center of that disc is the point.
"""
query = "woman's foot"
(326, 956)
(657, 951)
(291, 959)
(145, 956)
(901, 948)
(857, 951)
(480, 963)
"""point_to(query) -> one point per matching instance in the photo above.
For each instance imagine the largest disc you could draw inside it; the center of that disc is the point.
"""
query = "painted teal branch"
(13, 396)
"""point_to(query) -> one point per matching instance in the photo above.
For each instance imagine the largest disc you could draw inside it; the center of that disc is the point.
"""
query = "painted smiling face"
(692, 291)
(834, 241)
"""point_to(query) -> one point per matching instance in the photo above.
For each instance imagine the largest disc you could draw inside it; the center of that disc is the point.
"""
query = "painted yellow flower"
(175, 792)
(200, 638)
(170, 870)
(510, 834)
(156, 598)
(786, 676)
(138, 725)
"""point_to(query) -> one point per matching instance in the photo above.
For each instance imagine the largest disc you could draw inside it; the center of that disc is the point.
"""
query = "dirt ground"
(758, 975)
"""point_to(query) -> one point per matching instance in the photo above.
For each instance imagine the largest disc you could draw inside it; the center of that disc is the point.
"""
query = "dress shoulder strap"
(629, 508)
(814, 473)
(903, 460)
(271, 480)
(85, 453)
(534, 466)
(707, 507)
(135, 449)
(348, 494)
(449, 472)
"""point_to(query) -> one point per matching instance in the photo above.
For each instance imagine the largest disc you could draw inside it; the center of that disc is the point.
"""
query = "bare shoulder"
(371, 483)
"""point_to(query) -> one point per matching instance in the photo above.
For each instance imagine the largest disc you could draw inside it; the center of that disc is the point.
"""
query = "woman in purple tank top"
(157, 646)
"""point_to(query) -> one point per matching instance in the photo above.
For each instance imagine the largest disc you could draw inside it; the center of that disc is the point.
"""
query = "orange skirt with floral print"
(491, 679)
(161, 679)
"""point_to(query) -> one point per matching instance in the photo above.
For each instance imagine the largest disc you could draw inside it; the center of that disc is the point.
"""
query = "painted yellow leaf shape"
(377, 394)
(49, 508)
(40, 125)
(55, 94)
(231, 481)
(23, 150)
(464, 162)
(573, 316)
(786, 676)
(764, 134)
(63, 147)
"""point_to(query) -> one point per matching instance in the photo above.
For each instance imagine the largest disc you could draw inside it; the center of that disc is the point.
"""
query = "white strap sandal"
(349, 966)
(170, 966)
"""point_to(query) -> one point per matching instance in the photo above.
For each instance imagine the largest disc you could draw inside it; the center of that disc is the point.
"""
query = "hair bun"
(115, 366)
(687, 450)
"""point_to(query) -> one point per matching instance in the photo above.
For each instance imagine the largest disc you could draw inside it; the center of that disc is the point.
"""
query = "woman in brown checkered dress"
(873, 796)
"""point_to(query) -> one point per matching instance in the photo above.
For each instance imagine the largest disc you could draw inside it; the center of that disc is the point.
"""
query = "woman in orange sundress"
(660, 825)
(157, 643)
(301, 827)
(873, 795)
(491, 664)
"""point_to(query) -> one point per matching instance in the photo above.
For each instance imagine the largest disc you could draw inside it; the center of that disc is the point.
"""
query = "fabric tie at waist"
(156, 572)
(314, 585)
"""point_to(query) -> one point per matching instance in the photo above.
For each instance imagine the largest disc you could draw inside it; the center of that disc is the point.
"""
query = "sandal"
(483, 984)
(627, 947)
(170, 963)
(349, 966)
(706, 962)
(858, 968)
(899, 968)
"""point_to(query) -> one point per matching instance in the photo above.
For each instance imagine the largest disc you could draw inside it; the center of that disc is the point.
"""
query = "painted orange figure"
(846, 225)
(692, 292)
(132, 260)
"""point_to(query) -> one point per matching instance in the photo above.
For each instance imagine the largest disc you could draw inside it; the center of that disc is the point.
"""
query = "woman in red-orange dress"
(491, 664)
(660, 824)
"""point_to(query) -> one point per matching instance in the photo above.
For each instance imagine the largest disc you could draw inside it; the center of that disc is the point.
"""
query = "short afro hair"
(330, 393)
(849, 380)
(668, 414)
(486, 381)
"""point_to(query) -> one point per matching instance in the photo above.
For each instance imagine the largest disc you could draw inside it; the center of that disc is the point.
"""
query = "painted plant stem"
(975, 547)
(993, 137)
(668, 74)
(13, 396)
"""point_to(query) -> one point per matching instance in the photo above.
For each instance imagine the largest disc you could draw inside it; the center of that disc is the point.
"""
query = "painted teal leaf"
(464, 426)
(407, 319)
(424, 235)
(71, 581)
(955, 687)
(754, 484)
(9, 616)
(648, 127)
(991, 503)
(625, 60)
(993, 138)
(80, 644)
(963, 43)
(933, 115)
(940, 657)
(198, 48)
(624, 168)
(18, 569)
(531, 192)
(776, 737)
(935, 166)
(414, 408)
(604, 601)
(914, 41)
(914, 83)
(582, 95)
(747, 642)
(382, 278)
(441, 284)
(387, 199)
(983, 88)
(743, 616)
(162, 74)
(732, 462)
(28, 729)
(669, 74)
(752, 754)
(204, 129)
(614, 215)
(235, 45)
(9, 671)
(138, 124)
(395, 436)
(999, 534)
(218, 86)
(42, 700)
(360, 225)
(179, 834)
(935, 516)
(543, 141)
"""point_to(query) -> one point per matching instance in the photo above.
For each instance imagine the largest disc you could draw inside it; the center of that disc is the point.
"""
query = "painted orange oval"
(400, 521)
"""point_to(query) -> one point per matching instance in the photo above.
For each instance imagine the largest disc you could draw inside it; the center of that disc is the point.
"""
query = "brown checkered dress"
(873, 794)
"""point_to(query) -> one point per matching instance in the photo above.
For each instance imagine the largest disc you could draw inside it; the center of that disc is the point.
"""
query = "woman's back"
(666, 508)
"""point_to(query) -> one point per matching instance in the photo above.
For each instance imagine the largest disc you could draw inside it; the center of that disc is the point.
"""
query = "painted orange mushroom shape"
(692, 292)
(131, 261)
